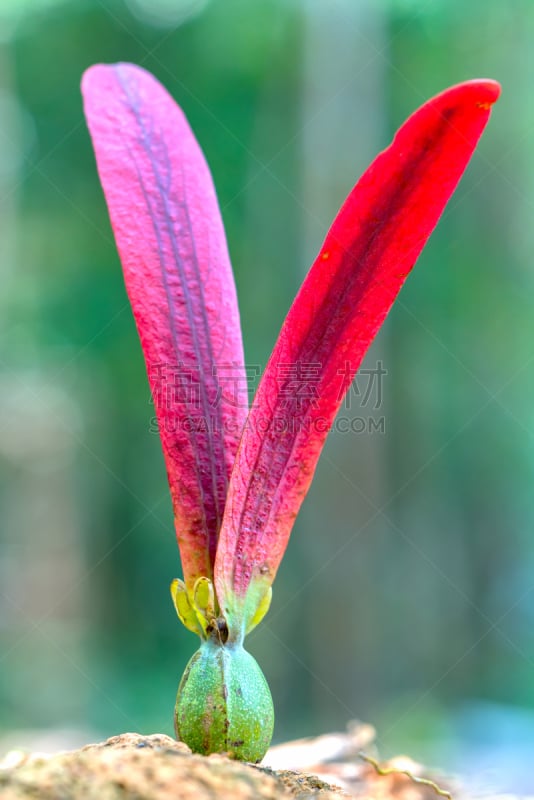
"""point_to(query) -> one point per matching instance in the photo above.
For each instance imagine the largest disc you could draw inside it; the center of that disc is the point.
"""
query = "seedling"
(238, 477)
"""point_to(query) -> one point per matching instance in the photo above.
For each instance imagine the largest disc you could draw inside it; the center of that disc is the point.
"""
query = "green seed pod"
(224, 704)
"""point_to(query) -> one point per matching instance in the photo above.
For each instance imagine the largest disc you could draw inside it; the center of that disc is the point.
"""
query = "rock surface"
(137, 767)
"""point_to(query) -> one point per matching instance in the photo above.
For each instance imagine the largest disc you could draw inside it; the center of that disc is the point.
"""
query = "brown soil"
(136, 767)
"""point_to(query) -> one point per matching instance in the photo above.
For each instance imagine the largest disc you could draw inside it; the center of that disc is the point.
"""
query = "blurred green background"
(407, 594)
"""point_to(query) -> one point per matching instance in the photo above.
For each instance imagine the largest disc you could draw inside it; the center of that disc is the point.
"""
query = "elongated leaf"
(171, 242)
(370, 249)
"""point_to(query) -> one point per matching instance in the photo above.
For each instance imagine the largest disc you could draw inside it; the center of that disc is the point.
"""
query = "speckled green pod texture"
(224, 704)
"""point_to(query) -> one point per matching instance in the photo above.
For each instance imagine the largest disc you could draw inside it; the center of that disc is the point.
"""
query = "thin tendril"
(394, 771)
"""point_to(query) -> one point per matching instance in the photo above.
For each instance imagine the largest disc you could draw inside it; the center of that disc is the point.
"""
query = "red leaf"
(171, 242)
(368, 252)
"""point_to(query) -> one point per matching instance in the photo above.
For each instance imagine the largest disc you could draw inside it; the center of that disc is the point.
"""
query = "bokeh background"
(406, 598)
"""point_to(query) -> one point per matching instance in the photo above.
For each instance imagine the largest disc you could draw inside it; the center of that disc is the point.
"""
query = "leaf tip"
(490, 91)
(483, 91)
(90, 75)
(97, 73)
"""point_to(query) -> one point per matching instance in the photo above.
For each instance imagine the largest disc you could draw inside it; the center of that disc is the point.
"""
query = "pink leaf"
(171, 242)
(368, 252)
